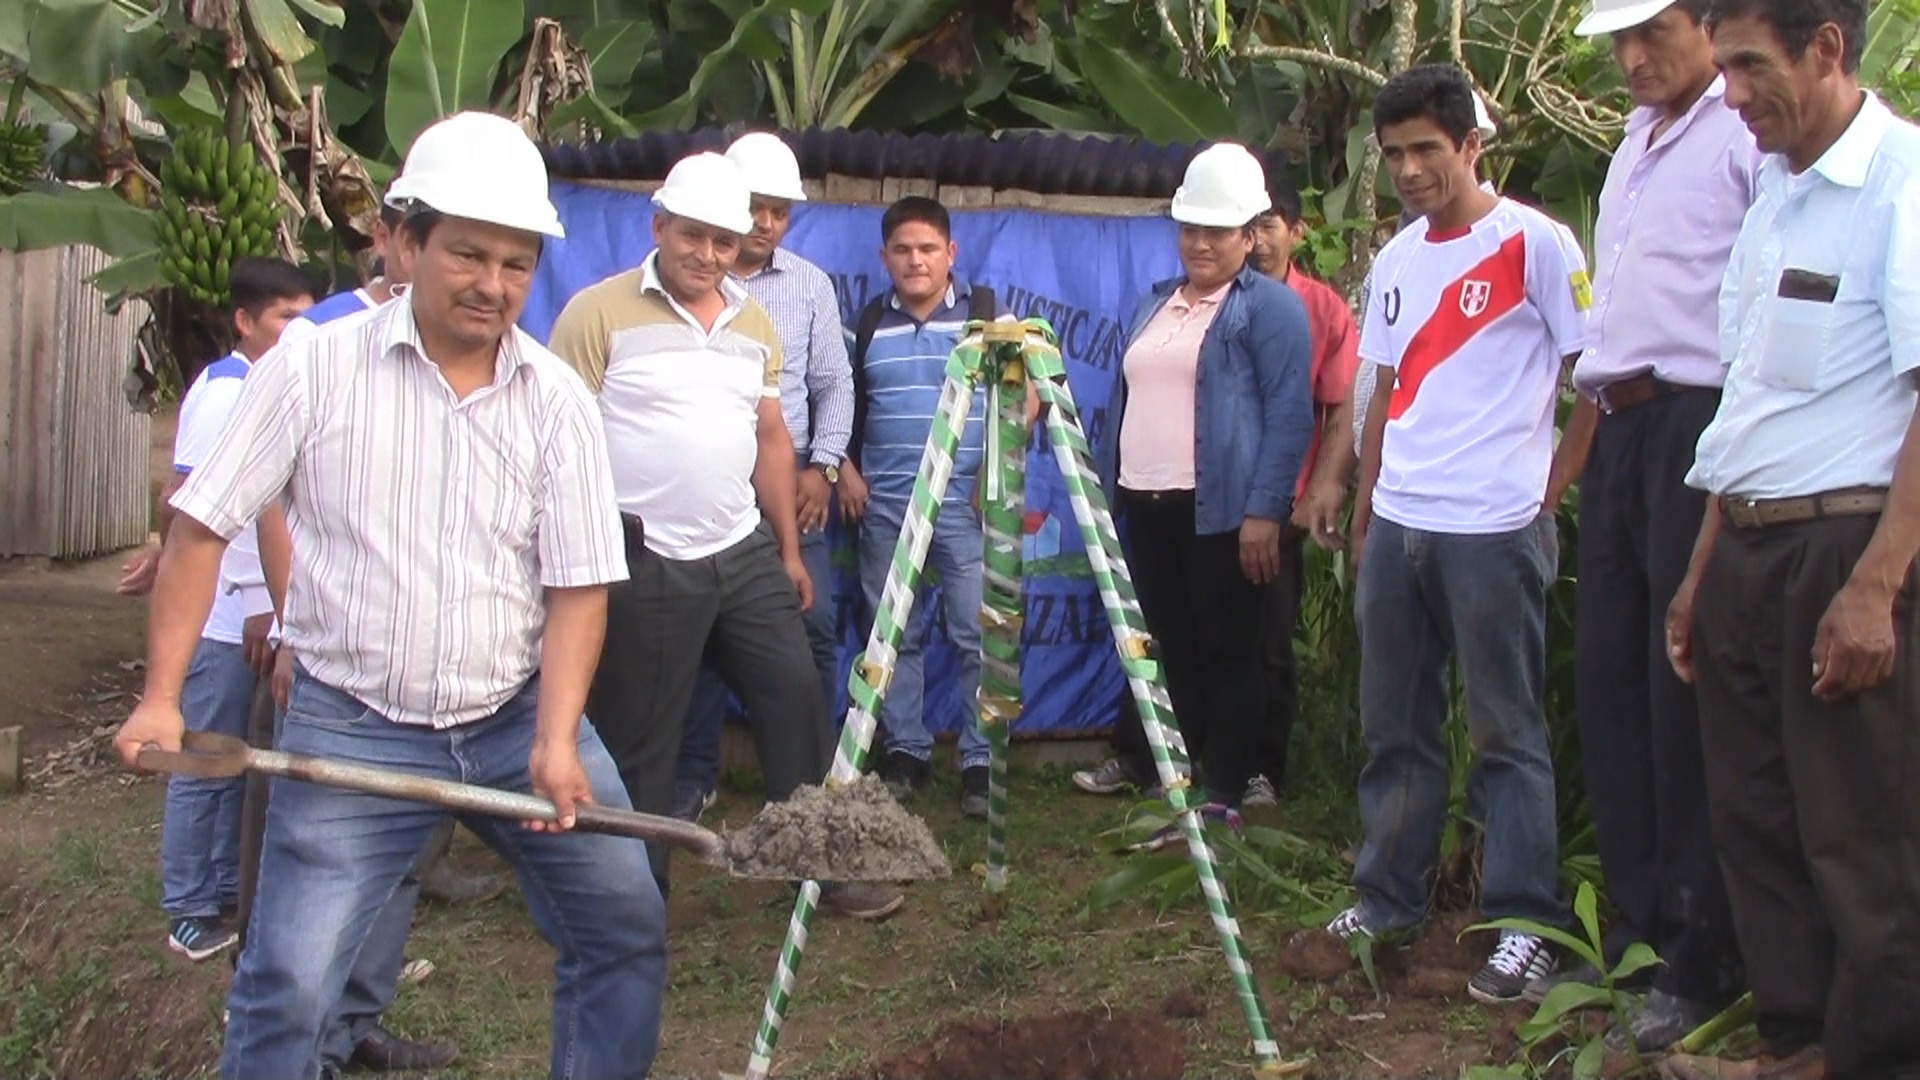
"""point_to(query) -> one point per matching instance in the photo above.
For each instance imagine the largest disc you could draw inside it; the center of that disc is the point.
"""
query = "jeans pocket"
(1547, 533)
(314, 702)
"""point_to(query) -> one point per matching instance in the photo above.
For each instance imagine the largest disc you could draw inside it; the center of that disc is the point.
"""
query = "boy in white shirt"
(200, 834)
(1473, 312)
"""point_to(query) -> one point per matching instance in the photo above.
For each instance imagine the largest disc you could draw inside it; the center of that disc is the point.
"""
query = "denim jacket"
(1253, 404)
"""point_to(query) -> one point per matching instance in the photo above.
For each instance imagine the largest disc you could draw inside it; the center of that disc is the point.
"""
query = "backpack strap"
(864, 326)
(980, 304)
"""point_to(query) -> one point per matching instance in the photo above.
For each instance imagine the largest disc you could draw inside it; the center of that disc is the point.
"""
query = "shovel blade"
(201, 753)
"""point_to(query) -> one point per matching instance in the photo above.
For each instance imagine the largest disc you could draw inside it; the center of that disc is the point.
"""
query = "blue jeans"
(332, 859)
(956, 554)
(700, 740)
(375, 977)
(1425, 598)
(200, 834)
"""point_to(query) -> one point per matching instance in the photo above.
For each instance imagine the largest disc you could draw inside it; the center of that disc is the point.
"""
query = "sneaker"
(1260, 792)
(1172, 833)
(904, 774)
(973, 791)
(865, 900)
(1111, 778)
(197, 938)
(1516, 961)
(690, 801)
(1347, 925)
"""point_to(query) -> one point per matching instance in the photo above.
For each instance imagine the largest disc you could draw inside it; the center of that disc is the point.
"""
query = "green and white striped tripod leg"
(1144, 678)
(872, 675)
(1003, 501)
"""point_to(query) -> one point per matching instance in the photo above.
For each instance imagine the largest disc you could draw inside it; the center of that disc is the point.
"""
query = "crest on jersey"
(1473, 296)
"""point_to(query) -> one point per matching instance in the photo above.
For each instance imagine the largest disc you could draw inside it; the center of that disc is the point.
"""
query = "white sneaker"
(1347, 924)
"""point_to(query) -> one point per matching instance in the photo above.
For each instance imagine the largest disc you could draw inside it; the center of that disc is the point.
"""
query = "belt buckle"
(1744, 511)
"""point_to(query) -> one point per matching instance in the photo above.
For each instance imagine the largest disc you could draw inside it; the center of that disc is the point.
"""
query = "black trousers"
(1206, 616)
(1816, 806)
(737, 612)
(1279, 622)
(1639, 725)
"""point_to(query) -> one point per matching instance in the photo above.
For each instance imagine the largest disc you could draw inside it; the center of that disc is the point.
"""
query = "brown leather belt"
(1745, 513)
(1638, 390)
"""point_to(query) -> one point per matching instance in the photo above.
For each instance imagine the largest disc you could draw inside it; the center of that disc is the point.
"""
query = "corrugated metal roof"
(1049, 163)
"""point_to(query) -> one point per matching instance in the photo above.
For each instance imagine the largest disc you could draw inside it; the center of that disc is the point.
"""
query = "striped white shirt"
(425, 528)
(816, 381)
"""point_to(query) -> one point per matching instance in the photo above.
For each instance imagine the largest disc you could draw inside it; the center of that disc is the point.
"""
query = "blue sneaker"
(197, 938)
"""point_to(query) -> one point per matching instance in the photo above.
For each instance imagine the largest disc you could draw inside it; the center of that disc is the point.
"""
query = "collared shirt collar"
(772, 267)
(1846, 162)
(1645, 116)
(403, 331)
(734, 293)
(957, 290)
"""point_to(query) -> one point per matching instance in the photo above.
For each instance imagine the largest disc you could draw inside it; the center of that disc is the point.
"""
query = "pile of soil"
(843, 832)
(1096, 1044)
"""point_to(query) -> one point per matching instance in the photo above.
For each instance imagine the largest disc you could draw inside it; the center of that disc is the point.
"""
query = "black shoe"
(383, 1051)
(904, 774)
(973, 791)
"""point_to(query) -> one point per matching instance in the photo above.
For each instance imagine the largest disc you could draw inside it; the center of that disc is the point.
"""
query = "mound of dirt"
(842, 832)
(1091, 1045)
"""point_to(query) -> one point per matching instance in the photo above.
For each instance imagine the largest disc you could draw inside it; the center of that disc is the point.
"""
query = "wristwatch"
(831, 472)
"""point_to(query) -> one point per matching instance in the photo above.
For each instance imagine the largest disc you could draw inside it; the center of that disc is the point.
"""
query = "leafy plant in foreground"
(1555, 1019)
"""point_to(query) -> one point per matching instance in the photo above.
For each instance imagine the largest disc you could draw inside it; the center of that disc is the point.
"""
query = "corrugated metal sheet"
(74, 470)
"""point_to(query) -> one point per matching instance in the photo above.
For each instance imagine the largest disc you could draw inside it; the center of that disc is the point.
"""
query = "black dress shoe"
(383, 1051)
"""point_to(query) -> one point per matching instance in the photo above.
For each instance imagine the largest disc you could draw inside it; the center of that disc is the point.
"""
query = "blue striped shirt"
(816, 382)
(906, 365)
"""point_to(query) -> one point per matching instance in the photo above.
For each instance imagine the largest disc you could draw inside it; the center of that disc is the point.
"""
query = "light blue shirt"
(1820, 383)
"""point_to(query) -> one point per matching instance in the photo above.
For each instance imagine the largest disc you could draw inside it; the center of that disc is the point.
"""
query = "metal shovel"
(210, 755)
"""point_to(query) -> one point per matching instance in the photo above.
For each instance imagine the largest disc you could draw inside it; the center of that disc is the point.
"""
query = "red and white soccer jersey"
(1475, 324)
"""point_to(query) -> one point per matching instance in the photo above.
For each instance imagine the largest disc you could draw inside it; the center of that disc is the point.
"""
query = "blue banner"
(1083, 274)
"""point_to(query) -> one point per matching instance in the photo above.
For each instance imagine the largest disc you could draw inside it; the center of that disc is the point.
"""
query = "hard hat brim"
(546, 223)
(791, 195)
(1606, 22)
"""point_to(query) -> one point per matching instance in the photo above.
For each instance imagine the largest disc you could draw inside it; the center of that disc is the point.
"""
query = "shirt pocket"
(1796, 343)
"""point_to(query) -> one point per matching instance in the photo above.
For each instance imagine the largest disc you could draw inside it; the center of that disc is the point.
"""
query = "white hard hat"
(1483, 119)
(480, 166)
(708, 188)
(769, 165)
(1224, 188)
(1608, 16)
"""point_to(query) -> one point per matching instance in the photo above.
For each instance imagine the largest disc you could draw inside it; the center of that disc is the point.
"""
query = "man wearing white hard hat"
(1649, 382)
(1474, 311)
(816, 398)
(687, 369)
(451, 508)
(1212, 415)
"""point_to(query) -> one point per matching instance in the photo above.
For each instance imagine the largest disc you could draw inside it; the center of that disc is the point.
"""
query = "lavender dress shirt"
(1669, 213)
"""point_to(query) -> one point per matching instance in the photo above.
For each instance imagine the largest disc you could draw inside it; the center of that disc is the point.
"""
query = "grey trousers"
(736, 611)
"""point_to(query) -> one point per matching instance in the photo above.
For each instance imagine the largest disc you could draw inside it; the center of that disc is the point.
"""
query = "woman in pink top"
(1214, 415)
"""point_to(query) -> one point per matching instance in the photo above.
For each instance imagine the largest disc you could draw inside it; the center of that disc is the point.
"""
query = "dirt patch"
(1092, 1044)
(1315, 955)
(849, 832)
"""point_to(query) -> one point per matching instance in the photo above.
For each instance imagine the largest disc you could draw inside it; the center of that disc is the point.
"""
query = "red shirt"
(1335, 354)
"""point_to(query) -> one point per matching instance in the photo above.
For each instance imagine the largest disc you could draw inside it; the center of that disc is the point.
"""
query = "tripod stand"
(1005, 356)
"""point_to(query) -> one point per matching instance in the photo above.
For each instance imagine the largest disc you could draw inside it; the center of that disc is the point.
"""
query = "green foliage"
(55, 216)
(1266, 870)
(1553, 1027)
(446, 60)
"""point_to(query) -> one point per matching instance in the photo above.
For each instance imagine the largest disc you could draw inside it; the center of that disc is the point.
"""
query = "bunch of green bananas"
(20, 146)
(217, 204)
